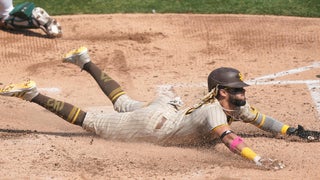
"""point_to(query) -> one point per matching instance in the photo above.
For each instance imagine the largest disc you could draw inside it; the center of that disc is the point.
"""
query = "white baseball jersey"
(5, 7)
(158, 122)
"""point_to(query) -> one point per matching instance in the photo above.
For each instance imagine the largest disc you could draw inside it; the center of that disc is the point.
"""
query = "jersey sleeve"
(247, 113)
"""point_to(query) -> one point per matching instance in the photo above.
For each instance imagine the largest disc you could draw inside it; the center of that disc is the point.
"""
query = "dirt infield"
(143, 52)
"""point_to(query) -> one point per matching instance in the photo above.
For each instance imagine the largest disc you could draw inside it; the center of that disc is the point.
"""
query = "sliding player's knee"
(126, 104)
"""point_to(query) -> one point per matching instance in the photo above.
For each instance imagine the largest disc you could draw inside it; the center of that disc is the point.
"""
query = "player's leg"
(109, 86)
(5, 7)
(27, 16)
(112, 89)
(28, 91)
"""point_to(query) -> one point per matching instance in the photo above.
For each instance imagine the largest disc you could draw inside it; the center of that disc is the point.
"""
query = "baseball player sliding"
(27, 16)
(161, 121)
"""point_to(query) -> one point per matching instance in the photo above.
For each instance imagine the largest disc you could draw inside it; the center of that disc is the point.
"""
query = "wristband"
(257, 160)
(284, 129)
(225, 133)
(238, 140)
(249, 154)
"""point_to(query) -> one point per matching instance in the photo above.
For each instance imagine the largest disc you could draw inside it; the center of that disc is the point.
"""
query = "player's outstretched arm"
(251, 115)
(237, 145)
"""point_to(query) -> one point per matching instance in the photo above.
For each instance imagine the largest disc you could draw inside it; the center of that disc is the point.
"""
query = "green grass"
(304, 8)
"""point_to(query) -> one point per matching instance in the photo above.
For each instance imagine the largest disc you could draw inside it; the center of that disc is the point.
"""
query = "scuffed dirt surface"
(144, 51)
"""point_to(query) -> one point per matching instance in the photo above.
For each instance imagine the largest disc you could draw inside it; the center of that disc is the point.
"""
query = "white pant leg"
(6, 7)
(126, 104)
(146, 124)
(138, 125)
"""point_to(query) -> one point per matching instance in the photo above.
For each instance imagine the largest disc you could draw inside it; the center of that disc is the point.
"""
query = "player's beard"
(237, 102)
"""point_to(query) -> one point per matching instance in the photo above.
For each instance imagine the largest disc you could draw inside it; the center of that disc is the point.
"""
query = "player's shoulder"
(208, 108)
(214, 106)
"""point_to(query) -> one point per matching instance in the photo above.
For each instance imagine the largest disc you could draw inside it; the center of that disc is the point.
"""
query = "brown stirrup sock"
(109, 86)
(67, 111)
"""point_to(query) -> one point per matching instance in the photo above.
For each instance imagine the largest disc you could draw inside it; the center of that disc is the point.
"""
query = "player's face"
(236, 96)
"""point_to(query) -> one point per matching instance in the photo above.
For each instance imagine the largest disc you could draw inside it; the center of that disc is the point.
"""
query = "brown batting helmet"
(226, 77)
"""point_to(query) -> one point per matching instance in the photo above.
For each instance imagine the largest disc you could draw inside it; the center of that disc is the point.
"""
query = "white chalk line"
(313, 85)
(283, 82)
(204, 84)
(285, 73)
(315, 94)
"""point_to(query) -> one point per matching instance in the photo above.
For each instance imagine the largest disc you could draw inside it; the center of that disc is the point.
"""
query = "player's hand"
(270, 164)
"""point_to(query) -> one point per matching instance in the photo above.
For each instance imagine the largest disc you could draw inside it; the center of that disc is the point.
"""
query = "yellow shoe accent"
(75, 52)
(81, 49)
(78, 56)
(26, 90)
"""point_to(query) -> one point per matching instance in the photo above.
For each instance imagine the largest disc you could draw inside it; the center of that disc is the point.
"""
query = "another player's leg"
(26, 16)
(6, 6)
(109, 86)
(48, 24)
(28, 91)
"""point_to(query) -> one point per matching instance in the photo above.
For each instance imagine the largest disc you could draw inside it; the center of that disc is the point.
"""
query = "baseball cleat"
(52, 28)
(49, 25)
(78, 57)
(26, 90)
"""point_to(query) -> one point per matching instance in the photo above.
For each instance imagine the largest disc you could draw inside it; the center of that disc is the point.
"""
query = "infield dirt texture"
(143, 52)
